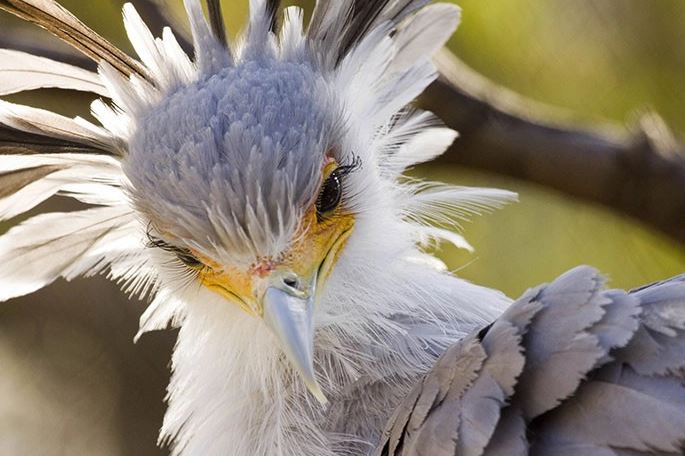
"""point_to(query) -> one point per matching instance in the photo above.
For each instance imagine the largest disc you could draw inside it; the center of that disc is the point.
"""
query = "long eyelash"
(179, 252)
(344, 170)
(157, 243)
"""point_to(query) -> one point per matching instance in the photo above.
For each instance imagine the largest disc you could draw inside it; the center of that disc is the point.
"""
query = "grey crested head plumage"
(236, 156)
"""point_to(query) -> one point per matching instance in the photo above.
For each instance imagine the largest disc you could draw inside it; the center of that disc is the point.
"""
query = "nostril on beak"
(292, 282)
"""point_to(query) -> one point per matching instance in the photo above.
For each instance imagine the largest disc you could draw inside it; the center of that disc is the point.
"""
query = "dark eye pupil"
(330, 195)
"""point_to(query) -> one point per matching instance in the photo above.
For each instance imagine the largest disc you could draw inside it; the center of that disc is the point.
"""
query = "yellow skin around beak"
(311, 257)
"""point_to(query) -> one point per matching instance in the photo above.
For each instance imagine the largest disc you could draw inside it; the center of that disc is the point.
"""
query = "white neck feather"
(379, 326)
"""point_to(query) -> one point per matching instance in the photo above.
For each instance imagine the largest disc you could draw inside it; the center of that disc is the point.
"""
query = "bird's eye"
(332, 189)
(189, 259)
(185, 256)
(330, 195)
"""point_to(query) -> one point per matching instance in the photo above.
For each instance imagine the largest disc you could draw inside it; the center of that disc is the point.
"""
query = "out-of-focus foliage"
(600, 60)
(595, 57)
(72, 381)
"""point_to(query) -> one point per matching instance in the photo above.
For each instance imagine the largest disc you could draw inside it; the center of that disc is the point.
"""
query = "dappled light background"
(74, 383)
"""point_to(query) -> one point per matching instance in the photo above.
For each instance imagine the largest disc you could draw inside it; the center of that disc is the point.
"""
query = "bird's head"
(248, 180)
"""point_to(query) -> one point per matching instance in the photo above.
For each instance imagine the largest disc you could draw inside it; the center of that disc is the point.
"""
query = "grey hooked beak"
(289, 311)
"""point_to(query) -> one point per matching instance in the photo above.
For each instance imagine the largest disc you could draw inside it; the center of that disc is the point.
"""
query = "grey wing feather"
(658, 346)
(463, 393)
(458, 370)
(509, 438)
(569, 369)
(608, 415)
(51, 16)
(559, 350)
(483, 402)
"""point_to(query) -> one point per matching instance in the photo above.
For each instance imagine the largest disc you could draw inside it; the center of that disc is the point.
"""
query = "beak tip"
(318, 393)
(290, 320)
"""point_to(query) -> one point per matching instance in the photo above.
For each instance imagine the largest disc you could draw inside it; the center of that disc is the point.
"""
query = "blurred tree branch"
(640, 173)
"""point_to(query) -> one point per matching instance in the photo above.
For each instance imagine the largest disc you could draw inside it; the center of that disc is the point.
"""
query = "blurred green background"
(599, 60)
(77, 385)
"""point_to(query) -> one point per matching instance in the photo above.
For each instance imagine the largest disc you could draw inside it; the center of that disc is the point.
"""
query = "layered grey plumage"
(568, 369)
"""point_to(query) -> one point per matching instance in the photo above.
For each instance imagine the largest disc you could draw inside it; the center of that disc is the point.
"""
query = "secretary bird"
(255, 192)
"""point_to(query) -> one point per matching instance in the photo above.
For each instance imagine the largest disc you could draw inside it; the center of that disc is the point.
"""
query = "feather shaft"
(54, 18)
(13, 181)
